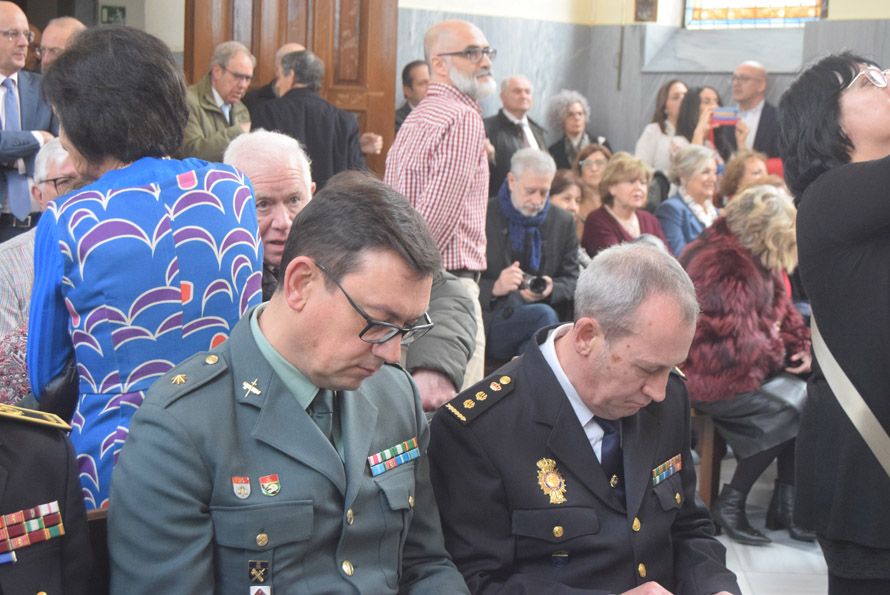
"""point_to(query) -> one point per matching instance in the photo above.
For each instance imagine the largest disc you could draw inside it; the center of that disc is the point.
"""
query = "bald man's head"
(446, 46)
(57, 36)
(13, 52)
(284, 50)
(749, 84)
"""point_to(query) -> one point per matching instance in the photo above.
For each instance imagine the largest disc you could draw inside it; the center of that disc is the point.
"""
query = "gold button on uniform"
(410, 501)
(641, 569)
(350, 517)
(558, 531)
(211, 359)
(677, 497)
(347, 567)
(262, 539)
(636, 525)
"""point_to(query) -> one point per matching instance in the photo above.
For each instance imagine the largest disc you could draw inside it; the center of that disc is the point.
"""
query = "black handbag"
(60, 394)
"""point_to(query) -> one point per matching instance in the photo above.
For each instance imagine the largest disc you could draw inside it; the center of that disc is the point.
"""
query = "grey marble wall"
(619, 69)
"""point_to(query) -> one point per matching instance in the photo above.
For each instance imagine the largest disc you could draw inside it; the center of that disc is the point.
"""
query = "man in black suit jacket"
(260, 95)
(532, 257)
(330, 135)
(749, 82)
(415, 81)
(44, 527)
(569, 469)
(511, 129)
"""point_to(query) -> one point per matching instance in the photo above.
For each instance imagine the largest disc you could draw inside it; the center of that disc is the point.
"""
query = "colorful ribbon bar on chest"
(393, 456)
(666, 469)
(32, 525)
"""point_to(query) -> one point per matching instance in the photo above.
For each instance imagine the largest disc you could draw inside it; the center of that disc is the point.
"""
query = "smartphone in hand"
(725, 116)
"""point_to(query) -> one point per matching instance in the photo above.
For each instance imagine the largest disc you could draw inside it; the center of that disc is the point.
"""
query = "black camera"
(534, 283)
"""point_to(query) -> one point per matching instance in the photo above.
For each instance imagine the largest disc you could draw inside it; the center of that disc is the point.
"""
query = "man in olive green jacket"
(216, 113)
(292, 458)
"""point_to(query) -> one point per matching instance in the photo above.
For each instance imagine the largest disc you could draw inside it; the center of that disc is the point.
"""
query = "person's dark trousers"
(513, 325)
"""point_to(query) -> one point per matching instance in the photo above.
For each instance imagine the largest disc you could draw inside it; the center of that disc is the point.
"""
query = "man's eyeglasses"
(62, 184)
(45, 51)
(872, 74)
(378, 331)
(13, 34)
(473, 53)
(246, 78)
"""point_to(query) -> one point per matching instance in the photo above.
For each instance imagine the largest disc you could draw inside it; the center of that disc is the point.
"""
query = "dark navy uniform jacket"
(503, 529)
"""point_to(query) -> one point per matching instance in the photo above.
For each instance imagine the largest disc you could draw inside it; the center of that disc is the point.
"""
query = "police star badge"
(551, 481)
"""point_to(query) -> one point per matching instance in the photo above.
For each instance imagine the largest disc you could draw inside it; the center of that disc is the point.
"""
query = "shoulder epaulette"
(479, 398)
(678, 373)
(41, 418)
(191, 374)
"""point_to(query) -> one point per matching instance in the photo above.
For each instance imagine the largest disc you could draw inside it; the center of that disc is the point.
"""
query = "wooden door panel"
(356, 39)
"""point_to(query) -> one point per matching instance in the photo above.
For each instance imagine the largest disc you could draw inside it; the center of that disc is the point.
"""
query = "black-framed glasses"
(378, 331)
(246, 78)
(872, 74)
(62, 184)
(474, 53)
(13, 34)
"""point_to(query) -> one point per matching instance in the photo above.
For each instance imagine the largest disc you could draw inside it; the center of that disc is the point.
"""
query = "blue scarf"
(522, 227)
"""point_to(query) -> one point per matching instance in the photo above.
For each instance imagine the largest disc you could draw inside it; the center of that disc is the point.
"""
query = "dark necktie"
(17, 193)
(610, 457)
(321, 410)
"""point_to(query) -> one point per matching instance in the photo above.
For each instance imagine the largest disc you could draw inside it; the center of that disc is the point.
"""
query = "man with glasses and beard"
(293, 455)
(438, 160)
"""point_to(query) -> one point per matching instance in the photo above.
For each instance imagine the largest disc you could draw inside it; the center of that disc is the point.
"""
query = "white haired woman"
(686, 214)
(569, 112)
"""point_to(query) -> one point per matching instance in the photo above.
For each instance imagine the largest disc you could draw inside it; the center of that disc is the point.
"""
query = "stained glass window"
(752, 14)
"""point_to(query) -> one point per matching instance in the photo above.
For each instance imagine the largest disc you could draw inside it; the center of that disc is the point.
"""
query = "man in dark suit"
(569, 469)
(293, 456)
(415, 80)
(44, 540)
(749, 81)
(28, 122)
(330, 135)
(511, 129)
(260, 95)
(532, 257)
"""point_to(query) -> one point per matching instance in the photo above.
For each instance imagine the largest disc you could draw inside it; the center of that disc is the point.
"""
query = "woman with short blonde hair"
(624, 189)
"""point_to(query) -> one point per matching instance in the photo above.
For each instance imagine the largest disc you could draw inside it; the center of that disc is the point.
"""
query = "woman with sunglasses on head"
(589, 165)
(835, 138)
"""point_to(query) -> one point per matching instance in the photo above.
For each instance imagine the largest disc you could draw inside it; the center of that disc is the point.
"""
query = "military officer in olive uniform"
(569, 469)
(44, 540)
(292, 458)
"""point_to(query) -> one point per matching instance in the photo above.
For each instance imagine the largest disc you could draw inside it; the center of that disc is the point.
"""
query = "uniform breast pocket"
(39, 568)
(670, 493)
(542, 532)
(397, 510)
(256, 533)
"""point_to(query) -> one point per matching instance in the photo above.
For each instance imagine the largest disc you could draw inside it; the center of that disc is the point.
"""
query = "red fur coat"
(747, 322)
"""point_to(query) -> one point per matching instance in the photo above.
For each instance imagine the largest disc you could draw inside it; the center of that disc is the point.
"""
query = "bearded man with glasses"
(439, 158)
(293, 455)
(27, 123)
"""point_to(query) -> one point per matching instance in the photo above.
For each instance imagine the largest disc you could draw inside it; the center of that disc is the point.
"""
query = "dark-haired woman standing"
(153, 261)
(835, 140)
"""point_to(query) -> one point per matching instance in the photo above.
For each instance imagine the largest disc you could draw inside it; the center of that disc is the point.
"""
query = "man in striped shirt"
(438, 160)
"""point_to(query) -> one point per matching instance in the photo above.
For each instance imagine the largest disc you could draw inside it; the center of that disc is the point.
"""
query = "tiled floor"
(786, 566)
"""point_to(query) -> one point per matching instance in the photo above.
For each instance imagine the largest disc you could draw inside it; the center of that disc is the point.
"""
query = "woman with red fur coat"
(748, 336)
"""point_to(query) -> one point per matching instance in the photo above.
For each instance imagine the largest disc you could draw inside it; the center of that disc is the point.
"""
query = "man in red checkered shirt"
(438, 160)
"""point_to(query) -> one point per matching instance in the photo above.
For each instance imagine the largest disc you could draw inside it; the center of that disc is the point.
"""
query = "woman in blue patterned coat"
(152, 261)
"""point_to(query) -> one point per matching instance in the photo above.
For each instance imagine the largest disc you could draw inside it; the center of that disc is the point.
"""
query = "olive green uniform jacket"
(207, 133)
(176, 524)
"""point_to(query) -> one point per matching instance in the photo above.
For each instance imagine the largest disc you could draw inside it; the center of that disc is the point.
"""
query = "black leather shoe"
(780, 514)
(728, 511)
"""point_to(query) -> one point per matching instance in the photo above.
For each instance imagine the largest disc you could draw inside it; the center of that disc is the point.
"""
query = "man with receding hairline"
(511, 129)
(438, 159)
(28, 123)
(267, 92)
(56, 36)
